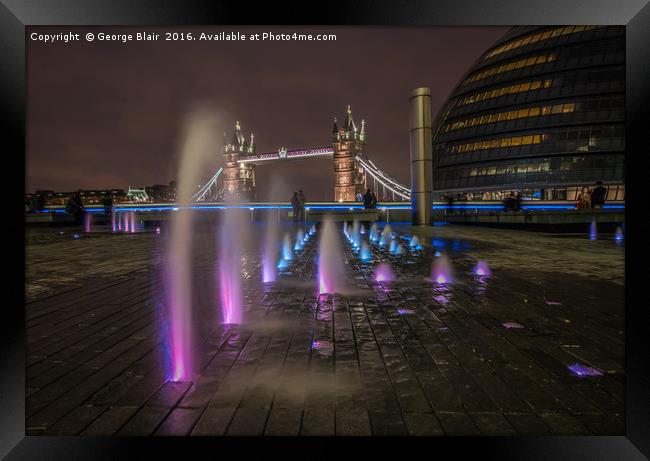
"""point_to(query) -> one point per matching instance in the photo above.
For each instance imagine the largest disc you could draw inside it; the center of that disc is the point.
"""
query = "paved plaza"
(482, 355)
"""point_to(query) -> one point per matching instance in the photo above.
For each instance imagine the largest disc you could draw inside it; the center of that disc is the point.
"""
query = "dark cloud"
(108, 114)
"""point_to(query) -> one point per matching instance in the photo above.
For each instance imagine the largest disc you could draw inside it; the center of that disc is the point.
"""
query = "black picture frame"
(15, 15)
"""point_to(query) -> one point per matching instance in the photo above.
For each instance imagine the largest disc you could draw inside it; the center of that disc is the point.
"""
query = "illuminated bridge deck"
(478, 356)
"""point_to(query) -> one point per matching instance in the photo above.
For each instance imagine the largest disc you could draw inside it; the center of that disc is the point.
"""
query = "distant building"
(45, 198)
(162, 193)
(137, 196)
(541, 112)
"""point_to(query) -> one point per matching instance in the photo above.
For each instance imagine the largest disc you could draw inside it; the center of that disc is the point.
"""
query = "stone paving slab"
(408, 357)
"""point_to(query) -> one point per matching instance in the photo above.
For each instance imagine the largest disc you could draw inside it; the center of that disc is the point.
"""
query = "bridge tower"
(348, 143)
(238, 178)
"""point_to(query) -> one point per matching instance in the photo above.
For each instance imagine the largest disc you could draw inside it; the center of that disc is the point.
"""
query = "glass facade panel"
(545, 108)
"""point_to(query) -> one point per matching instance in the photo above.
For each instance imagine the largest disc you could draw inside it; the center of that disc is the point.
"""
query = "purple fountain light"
(482, 269)
(179, 296)
(441, 270)
(582, 371)
(512, 325)
(230, 263)
(384, 273)
(88, 222)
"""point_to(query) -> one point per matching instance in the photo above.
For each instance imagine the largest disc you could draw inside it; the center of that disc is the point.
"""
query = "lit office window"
(499, 142)
(537, 37)
(496, 70)
(512, 115)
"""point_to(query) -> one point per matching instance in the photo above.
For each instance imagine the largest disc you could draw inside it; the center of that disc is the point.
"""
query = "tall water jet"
(300, 237)
(113, 221)
(593, 230)
(127, 222)
(132, 216)
(286, 248)
(482, 269)
(386, 234)
(198, 144)
(384, 273)
(441, 270)
(356, 234)
(118, 217)
(374, 232)
(331, 272)
(269, 272)
(88, 222)
(230, 262)
(365, 255)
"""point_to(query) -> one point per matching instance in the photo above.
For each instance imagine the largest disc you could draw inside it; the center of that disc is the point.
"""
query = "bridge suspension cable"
(211, 185)
(210, 191)
(383, 179)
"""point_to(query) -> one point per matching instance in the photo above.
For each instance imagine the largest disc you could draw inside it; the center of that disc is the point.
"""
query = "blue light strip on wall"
(331, 207)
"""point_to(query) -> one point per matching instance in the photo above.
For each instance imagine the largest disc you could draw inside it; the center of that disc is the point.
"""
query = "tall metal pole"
(420, 133)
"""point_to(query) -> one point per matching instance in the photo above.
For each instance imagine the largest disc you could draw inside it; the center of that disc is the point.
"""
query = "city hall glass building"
(541, 112)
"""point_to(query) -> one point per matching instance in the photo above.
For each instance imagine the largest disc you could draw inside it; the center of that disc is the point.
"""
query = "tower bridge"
(354, 172)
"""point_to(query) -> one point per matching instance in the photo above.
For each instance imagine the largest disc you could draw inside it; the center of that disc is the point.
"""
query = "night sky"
(109, 114)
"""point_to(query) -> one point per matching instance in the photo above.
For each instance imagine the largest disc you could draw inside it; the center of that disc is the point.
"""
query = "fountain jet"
(441, 270)
(366, 255)
(383, 273)
(286, 248)
(482, 269)
(88, 222)
(269, 257)
(618, 235)
(230, 266)
(356, 234)
(374, 233)
(198, 144)
(300, 237)
(331, 273)
(593, 230)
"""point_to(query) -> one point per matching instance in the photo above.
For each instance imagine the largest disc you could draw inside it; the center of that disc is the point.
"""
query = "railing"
(288, 155)
(537, 205)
